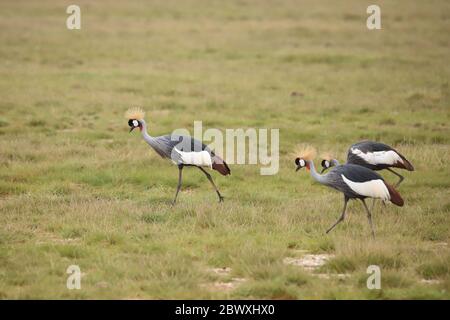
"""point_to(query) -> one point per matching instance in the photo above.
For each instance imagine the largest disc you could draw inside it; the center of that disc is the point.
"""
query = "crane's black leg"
(373, 204)
(180, 175)
(212, 182)
(398, 175)
(341, 218)
(369, 216)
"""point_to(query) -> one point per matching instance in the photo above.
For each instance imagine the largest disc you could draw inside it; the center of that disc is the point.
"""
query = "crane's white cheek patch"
(201, 158)
(379, 157)
(372, 188)
(135, 123)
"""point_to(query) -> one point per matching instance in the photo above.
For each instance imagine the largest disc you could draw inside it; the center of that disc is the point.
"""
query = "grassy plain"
(76, 188)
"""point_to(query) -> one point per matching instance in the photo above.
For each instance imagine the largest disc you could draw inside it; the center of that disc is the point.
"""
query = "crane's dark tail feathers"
(220, 165)
(396, 198)
(405, 165)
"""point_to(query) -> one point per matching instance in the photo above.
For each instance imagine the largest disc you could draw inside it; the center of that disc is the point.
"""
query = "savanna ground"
(77, 188)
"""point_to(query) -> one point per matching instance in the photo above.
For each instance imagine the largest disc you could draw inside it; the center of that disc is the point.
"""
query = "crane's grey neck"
(318, 177)
(150, 140)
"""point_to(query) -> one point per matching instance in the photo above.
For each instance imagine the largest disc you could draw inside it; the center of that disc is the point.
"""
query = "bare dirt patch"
(430, 281)
(312, 262)
(332, 275)
(309, 262)
(221, 271)
(223, 285)
(51, 238)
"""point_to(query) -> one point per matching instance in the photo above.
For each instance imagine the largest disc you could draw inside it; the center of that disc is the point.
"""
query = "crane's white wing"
(197, 158)
(372, 188)
(389, 157)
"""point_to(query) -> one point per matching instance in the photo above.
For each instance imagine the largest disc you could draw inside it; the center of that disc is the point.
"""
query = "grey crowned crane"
(354, 181)
(184, 151)
(375, 156)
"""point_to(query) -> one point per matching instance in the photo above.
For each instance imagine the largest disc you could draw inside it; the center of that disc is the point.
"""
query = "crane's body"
(355, 182)
(185, 150)
(181, 150)
(375, 156)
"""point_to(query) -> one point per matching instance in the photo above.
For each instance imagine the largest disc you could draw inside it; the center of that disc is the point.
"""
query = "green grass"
(76, 188)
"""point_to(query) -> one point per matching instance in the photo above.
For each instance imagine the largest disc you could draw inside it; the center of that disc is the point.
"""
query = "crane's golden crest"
(135, 113)
(305, 152)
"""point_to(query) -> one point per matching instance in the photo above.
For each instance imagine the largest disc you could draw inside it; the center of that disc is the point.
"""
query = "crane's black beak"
(323, 170)
(298, 168)
(131, 129)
